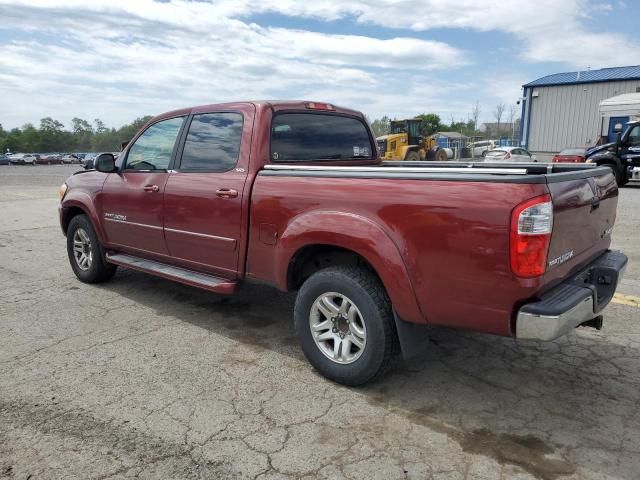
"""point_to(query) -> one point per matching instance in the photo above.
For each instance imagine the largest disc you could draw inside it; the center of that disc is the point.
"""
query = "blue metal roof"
(588, 76)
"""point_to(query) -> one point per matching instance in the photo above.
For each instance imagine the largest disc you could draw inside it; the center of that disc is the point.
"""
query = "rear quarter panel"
(452, 238)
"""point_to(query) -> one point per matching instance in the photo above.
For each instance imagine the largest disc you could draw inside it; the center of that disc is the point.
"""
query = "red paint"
(441, 248)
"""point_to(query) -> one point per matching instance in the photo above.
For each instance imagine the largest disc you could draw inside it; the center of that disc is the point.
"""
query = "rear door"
(132, 198)
(204, 194)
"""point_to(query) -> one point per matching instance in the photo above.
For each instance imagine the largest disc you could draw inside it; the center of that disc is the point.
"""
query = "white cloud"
(119, 59)
(151, 56)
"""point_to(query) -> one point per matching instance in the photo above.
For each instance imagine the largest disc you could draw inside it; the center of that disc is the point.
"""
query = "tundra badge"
(561, 259)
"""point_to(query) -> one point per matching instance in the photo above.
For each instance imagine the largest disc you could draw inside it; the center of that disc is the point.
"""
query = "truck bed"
(449, 222)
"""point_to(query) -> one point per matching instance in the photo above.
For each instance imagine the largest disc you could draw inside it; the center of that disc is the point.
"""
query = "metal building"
(561, 110)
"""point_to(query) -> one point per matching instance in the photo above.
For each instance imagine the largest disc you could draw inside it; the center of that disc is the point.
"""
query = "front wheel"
(344, 322)
(86, 254)
(412, 156)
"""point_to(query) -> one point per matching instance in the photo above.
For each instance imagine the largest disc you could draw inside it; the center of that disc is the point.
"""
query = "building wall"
(566, 116)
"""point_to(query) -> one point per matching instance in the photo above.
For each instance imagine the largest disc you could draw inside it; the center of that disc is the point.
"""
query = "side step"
(177, 274)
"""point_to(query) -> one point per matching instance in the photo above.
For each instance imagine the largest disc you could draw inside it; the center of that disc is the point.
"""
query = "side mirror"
(105, 162)
(617, 128)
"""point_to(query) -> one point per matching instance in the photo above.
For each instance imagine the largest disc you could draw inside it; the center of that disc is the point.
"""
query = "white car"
(30, 159)
(480, 148)
(509, 154)
(23, 159)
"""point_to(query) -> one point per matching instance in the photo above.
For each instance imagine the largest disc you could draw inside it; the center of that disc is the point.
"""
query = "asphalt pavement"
(144, 378)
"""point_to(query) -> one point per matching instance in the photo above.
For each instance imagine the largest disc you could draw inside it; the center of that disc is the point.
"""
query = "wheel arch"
(319, 239)
(77, 205)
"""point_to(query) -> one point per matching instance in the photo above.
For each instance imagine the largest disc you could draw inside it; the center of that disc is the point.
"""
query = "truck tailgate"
(584, 213)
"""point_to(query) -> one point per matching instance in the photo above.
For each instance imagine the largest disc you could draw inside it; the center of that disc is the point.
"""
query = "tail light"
(531, 226)
(507, 156)
(320, 106)
(556, 159)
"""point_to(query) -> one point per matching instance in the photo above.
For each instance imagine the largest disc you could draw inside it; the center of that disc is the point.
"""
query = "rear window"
(497, 153)
(313, 136)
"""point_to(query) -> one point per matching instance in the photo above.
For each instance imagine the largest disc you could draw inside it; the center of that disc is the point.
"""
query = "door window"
(634, 136)
(153, 149)
(213, 142)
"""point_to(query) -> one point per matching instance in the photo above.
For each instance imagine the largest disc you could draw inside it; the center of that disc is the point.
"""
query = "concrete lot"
(144, 378)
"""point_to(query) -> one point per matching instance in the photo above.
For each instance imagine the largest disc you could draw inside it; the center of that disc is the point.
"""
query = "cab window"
(319, 137)
(213, 142)
(153, 149)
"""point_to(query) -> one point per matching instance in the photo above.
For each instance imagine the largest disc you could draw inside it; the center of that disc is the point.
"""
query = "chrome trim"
(549, 327)
(463, 170)
(202, 235)
(132, 223)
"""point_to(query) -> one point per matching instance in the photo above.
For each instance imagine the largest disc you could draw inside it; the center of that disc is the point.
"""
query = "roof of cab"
(276, 105)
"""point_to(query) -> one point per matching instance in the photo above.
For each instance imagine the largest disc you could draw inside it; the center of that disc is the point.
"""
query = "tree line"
(52, 136)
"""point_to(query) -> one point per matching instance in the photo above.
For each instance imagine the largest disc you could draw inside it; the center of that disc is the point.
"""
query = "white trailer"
(619, 109)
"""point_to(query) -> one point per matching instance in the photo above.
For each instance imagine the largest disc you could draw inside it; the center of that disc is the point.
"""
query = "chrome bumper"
(573, 302)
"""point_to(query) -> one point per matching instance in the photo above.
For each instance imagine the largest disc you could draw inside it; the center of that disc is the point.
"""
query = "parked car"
(570, 155)
(70, 158)
(87, 161)
(295, 192)
(509, 154)
(50, 159)
(480, 148)
(16, 159)
(4, 159)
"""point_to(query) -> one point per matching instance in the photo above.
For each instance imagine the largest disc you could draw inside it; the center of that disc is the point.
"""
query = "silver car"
(509, 154)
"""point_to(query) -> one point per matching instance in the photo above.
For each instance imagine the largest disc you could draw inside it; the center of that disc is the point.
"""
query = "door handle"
(151, 188)
(226, 193)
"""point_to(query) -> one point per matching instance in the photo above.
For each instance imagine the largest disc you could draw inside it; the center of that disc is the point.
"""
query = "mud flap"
(413, 337)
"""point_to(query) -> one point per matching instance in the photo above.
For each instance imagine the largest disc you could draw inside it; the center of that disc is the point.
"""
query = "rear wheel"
(86, 254)
(344, 322)
(441, 155)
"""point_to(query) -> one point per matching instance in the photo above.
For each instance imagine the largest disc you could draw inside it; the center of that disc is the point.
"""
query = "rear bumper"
(573, 302)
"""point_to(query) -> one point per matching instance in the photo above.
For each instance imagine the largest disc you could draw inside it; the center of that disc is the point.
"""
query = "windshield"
(313, 136)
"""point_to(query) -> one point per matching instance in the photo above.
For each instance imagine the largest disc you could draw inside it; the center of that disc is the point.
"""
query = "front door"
(132, 198)
(204, 193)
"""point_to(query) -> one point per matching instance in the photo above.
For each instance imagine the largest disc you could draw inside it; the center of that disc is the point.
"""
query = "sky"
(121, 59)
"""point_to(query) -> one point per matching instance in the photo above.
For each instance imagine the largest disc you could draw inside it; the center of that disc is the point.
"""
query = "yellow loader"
(405, 142)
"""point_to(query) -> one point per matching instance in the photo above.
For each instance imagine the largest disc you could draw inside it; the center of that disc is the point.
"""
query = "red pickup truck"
(294, 194)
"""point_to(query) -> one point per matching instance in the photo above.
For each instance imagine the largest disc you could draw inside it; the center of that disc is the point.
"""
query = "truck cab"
(623, 155)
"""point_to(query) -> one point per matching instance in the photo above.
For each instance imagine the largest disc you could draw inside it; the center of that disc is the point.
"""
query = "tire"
(94, 269)
(484, 153)
(372, 314)
(621, 176)
(441, 156)
(412, 156)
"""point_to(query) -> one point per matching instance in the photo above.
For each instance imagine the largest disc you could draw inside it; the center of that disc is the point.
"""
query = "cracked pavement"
(144, 378)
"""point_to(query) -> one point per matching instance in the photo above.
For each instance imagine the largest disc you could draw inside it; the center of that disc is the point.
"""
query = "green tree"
(82, 134)
(430, 123)
(380, 126)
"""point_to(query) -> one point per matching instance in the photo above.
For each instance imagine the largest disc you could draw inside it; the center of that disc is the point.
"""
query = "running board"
(177, 274)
